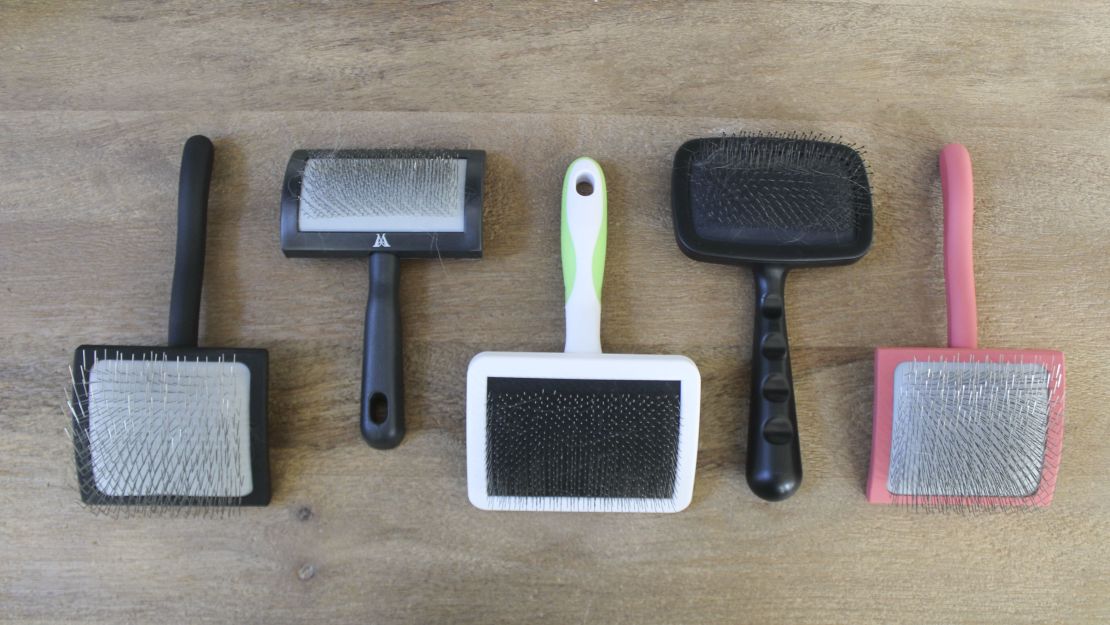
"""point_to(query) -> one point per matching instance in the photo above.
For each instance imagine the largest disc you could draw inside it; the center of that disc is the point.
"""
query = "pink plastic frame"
(887, 360)
(959, 278)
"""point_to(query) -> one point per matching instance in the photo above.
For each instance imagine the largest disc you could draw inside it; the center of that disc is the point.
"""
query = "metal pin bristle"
(396, 188)
(163, 435)
(779, 188)
(971, 433)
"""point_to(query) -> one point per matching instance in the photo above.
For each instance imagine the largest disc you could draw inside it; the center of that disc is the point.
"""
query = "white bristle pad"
(582, 432)
(169, 428)
(968, 429)
(383, 195)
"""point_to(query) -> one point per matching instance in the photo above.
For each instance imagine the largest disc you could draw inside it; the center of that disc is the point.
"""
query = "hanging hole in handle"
(379, 408)
(584, 186)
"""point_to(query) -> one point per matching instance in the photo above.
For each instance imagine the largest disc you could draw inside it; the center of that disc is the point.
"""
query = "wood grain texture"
(96, 100)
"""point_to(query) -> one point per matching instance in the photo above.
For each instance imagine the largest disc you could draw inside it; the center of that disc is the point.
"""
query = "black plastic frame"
(465, 244)
(774, 463)
(256, 361)
(702, 249)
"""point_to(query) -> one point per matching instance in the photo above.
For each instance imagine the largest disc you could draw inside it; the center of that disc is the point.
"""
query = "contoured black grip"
(774, 467)
(192, 219)
(383, 401)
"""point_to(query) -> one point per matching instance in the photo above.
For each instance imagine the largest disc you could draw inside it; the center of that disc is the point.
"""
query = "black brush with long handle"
(177, 426)
(773, 203)
(387, 205)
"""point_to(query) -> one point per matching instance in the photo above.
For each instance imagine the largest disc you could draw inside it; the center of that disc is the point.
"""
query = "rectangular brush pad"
(410, 203)
(143, 416)
(584, 427)
(598, 432)
(775, 200)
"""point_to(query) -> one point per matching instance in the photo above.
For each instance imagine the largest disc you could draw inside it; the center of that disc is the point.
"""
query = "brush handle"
(383, 397)
(959, 217)
(583, 250)
(192, 219)
(774, 468)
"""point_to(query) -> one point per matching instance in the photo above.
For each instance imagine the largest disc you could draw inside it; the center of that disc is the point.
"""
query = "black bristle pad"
(582, 438)
(778, 190)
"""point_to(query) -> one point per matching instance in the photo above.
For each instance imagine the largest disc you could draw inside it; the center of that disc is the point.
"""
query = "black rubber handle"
(383, 400)
(774, 456)
(192, 219)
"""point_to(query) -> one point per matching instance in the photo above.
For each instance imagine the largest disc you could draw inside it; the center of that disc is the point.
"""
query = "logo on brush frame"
(381, 241)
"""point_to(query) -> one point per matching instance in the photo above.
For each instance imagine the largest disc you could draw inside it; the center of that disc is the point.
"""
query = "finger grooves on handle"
(774, 466)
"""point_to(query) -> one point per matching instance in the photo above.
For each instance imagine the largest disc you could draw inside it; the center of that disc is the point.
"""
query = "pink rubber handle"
(959, 276)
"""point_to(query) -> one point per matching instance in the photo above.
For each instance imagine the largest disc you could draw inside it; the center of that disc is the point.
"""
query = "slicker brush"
(774, 203)
(385, 205)
(179, 427)
(965, 426)
(582, 431)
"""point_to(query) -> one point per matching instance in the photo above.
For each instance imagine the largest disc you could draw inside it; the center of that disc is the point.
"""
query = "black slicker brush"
(385, 205)
(176, 427)
(773, 203)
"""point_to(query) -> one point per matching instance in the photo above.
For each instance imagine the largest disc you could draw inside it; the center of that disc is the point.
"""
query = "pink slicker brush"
(965, 426)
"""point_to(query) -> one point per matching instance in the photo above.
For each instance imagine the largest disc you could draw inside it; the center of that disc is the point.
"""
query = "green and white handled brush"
(582, 430)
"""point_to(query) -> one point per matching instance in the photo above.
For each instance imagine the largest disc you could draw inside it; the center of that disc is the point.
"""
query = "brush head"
(581, 432)
(164, 428)
(610, 438)
(970, 427)
(771, 199)
(414, 203)
(383, 195)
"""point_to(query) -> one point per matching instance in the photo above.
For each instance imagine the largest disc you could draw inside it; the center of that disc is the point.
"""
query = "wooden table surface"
(96, 100)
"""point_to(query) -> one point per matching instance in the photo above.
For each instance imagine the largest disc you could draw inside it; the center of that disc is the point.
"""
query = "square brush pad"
(944, 417)
(170, 426)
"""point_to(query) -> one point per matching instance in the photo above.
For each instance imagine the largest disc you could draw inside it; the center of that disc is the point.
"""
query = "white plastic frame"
(581, 367)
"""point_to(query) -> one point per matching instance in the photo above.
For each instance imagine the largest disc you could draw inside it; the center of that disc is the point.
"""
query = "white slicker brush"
(582, 430)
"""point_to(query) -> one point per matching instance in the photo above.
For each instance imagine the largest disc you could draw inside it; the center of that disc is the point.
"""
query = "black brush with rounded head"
(772, 202)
